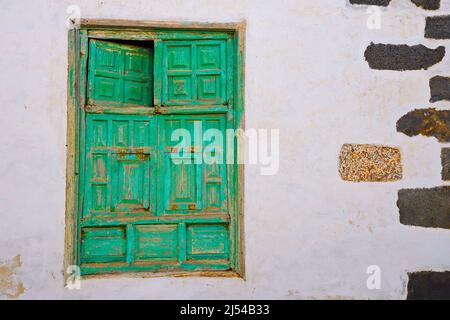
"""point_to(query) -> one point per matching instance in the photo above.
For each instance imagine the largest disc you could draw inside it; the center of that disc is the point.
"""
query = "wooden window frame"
(77, 64)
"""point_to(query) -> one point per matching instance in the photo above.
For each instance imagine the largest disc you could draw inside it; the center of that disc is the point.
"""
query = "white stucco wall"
(308, 234)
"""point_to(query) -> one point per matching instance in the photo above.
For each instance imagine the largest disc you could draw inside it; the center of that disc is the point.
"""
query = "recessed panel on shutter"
(120, 74)
(194, 72)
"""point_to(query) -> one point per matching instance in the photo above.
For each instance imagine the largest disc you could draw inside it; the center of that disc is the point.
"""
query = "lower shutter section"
(149, 204)
(148, 247)
(103, 244)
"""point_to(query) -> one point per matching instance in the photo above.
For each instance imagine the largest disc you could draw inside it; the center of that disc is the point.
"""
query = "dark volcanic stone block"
(439, 88)
(428, 4)
(383, 3)
(429, 285)
(437, 27)
(428, 208)
(402, 57)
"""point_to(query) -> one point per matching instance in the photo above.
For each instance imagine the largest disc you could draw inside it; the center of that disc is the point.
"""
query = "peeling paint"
(10, 286)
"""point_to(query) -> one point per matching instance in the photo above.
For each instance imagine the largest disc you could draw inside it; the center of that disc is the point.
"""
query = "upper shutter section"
(120, 74)
(194, 73)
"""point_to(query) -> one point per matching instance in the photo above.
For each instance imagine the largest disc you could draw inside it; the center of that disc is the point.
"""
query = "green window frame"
(129, 208)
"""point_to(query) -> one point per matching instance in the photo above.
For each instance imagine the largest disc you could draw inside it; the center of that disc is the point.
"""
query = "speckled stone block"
(370, 163)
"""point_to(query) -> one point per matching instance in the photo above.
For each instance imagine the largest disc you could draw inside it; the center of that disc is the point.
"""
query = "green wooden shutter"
(120, 74)
(120, 166)
(190, 187)
(145, 204)
(194, 72)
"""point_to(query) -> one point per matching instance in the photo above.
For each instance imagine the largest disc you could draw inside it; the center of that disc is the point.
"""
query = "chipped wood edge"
(157, 274)
(127, 24)
(71, 179)
(240, 77)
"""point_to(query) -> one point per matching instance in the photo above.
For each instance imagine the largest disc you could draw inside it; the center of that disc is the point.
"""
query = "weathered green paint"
(158, 34)
(138, 208)
(120, 165)
(103, 244)
(158, 242)
(189, 184)
(207, 241)
(132, 172)
(120, 74)
(194, 72)
(104, 220)
(163, 266)
(71, 220)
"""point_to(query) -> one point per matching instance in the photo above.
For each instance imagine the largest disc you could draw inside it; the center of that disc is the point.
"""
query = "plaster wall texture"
(308, 234)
